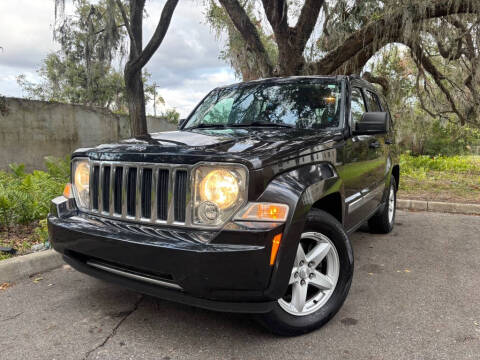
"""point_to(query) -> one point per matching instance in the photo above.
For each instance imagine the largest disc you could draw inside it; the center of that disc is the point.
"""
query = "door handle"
(374, 145)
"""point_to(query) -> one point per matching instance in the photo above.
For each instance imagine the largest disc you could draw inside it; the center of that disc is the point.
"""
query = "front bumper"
(230, 272)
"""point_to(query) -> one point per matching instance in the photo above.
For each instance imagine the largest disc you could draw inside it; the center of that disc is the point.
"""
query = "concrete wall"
(31, 130)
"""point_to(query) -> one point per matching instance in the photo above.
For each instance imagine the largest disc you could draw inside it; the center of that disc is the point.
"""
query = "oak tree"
(280, 38)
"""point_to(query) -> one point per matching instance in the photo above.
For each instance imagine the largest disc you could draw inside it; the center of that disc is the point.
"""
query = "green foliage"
(450, 139)
(441, 178)
(25, 197)
(81, 72)
(417, 131)
(172, 116)
(410, 165)
(41, 231)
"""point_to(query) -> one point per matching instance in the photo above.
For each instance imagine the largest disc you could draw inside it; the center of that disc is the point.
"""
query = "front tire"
(320, 278)
(382, 222)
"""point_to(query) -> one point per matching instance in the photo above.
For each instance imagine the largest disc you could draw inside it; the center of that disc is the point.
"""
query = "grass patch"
(452, 178)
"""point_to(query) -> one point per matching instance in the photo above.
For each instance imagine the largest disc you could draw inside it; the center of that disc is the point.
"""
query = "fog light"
(208, 211)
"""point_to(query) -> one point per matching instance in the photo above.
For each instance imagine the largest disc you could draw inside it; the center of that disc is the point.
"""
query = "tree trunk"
(136, 102)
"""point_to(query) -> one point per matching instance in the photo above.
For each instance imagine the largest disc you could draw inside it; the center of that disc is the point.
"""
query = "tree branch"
(307, 21)
(276, 11)
(391, 23)
(380, 80)
(249, 33)
(127, 26)
(437, 76)
(157, 37)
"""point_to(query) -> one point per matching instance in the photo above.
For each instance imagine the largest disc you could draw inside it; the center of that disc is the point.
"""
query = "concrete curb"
(20, 267)
(436, 206)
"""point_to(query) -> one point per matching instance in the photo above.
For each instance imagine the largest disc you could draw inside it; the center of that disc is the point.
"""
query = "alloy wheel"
(314, 275)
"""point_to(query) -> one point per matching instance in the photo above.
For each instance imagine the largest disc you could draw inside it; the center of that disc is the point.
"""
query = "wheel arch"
(302, 188)
(332, 204)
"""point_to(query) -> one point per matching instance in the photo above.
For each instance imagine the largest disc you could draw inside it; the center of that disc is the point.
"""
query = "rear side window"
(357, 106)
(372, 101)
(385, 108)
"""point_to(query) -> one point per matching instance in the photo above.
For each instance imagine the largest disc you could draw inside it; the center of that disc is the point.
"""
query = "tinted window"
(357, 106)
(307, 105)
(372, 101)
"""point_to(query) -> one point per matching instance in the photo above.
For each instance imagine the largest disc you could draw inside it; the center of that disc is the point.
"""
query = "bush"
(25, 197)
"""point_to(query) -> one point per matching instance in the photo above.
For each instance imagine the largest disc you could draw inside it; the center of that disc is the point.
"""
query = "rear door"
(378, 155)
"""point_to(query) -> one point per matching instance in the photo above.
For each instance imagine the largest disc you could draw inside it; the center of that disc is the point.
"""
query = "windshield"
(303, 105)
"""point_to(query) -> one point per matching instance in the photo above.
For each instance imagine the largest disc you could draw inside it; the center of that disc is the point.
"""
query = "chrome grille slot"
(131, 191)
(141, 192)
(162, 194)
(117, 197)
(146, 193)
(95, 183)
(180, 195)
(106, 187)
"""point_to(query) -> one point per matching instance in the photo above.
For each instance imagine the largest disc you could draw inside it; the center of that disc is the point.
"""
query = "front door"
(360, 162)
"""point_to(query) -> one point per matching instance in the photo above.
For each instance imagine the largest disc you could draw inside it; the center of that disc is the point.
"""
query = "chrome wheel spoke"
(300, 256)
(321, 281)
(299, 296)
(318, 253)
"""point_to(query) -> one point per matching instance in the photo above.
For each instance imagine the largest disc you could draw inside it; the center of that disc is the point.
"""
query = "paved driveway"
(415, 295)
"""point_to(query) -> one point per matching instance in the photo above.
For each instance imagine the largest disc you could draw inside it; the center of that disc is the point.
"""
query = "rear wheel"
(382, 222)
(320, 278)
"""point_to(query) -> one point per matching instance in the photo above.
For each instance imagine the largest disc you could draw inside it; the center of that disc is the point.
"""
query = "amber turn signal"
(275, 245)
(67, 192)
(264, 212)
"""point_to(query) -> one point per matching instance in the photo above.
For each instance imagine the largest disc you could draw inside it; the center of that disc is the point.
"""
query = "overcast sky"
(186, 66)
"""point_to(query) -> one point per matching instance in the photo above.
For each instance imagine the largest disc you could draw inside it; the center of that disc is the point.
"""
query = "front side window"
(357, 106)
(304, 105)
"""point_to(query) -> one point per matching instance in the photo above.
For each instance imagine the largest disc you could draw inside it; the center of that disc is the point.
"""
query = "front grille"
(141, 192)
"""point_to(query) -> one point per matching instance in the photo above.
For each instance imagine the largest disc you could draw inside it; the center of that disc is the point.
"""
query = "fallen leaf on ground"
(38, 279)
(4, 286)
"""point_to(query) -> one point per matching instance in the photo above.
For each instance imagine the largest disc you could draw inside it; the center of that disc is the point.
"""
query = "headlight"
(219, 192)
(81, 183)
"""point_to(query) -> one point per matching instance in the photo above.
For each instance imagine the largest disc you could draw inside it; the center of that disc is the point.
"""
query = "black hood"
(252, 146)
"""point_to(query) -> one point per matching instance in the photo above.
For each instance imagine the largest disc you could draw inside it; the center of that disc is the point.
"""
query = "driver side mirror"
(372, 123)
(181, 122)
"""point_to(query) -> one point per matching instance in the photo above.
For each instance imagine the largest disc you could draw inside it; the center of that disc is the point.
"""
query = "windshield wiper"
(261, 123)
(205, 126)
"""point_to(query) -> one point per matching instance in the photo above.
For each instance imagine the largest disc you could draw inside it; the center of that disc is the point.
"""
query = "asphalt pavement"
(415, 295)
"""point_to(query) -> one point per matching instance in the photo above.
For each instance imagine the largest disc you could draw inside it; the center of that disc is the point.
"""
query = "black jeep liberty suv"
(246, 208)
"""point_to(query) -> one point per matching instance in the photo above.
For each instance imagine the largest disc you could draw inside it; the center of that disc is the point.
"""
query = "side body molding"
(300, 188)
